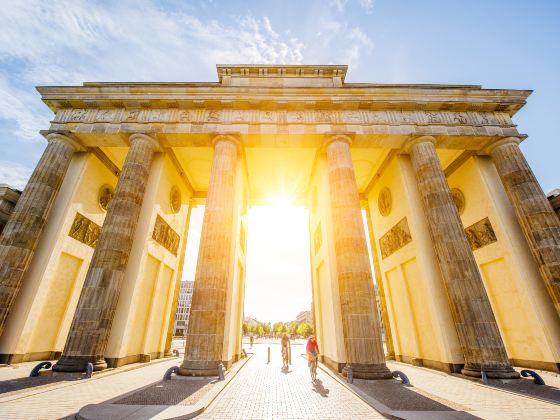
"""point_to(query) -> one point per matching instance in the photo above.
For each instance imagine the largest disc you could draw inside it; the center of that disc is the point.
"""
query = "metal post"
(268, 355)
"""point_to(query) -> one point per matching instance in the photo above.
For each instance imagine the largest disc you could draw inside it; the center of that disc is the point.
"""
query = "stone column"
(205, 335)
(89, 332)
(536, 217)
(360, 317)
(479, 336)
(23, 230)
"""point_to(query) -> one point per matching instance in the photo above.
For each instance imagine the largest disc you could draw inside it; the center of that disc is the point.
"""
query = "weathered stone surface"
(22, 232)
(205, 337)
(479, 336)
(360, 317)
(92, 321)
(536, 216)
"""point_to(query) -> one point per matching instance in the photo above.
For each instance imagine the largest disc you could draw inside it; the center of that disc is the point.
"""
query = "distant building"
(8, 199)
(250, 321)
(183, 308)
(305, 317)
(554, 199)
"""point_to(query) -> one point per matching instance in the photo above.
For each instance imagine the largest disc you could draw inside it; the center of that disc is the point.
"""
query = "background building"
(305, 317)
(8, 199)
(554, 199)
(183, 308)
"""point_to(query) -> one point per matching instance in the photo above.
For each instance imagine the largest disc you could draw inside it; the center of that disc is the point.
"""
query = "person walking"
(286, 347)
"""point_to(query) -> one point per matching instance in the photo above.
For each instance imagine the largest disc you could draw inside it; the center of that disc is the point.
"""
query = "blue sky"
(499, 44)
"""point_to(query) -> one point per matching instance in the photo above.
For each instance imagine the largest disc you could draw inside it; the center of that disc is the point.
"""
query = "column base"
(368, 371)
(492, 371)
(79, 364)
(199, 368)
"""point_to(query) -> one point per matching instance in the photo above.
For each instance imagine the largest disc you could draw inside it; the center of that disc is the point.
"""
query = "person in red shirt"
(312, 349)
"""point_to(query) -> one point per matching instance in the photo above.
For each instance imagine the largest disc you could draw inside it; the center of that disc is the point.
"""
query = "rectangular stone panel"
(164, 235)
(84, 230)
(397, 237)
(480, 234)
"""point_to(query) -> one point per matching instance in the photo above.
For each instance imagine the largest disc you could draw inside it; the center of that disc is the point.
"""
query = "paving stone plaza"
(261, 390)
(465, 251)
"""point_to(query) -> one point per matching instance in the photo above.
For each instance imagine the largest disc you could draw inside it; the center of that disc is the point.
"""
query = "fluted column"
(205, 335)
(24, 228)
(360, 317)
(89, 332)
(479, 336)
(536, 217)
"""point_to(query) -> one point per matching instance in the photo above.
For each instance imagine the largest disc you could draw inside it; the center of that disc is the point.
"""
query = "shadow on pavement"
(527, 388)
(395, 396)
(19, 384)
(320, 389)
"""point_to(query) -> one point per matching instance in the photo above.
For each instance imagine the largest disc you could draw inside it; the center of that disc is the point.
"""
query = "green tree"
(294, 327)
(259, 330)
(305, 330)
(267, 327)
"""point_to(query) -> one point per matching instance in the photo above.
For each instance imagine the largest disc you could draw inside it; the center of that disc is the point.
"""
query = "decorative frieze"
(120, 115)
(480, 234)
(164, 235)
(397, 237)
(85, 230)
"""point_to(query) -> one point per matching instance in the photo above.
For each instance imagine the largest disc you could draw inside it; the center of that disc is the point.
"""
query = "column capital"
(506, 140)
(332, 137)
(141, 136)
(72, 142)
(407, 146)
(232, 138)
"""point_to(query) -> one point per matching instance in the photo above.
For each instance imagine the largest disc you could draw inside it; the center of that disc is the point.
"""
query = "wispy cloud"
(367, 5)
(13, 174)
(72, 41)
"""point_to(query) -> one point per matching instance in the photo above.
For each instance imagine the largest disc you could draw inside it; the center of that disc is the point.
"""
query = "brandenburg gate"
(465, 246)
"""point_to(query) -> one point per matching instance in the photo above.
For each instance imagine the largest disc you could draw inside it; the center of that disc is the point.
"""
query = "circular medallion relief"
(385, 201)
(459, 199)
(105, 195)
(175, 199)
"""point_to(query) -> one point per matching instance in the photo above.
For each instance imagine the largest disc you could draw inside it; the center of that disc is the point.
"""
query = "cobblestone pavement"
(263, 391)
(480, 400)
(65, 399)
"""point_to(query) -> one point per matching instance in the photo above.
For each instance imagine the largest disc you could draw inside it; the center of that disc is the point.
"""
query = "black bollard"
(36, 369)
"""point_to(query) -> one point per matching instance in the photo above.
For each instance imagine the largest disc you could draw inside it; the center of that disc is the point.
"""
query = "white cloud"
(14, 174)
(340, 5)
(359, 44)
(68, 42)
(367, 5)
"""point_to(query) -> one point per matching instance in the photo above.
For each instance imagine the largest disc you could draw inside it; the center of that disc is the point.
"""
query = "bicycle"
(313, 366)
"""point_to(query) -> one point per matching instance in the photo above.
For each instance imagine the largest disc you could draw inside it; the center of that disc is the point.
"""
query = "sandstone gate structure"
(466, 247)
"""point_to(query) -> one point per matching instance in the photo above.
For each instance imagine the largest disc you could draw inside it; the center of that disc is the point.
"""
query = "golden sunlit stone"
(285, 134)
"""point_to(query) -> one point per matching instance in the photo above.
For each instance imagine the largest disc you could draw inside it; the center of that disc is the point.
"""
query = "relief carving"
(433, 117)
(214, 116)
(164, 235)
(481, 234)
(397, 237)
(84, 230)
(184, 116)
(385, 201)
(459, 199)
(78, 115)
(105, 195)
(175, 199)
(132, 115)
